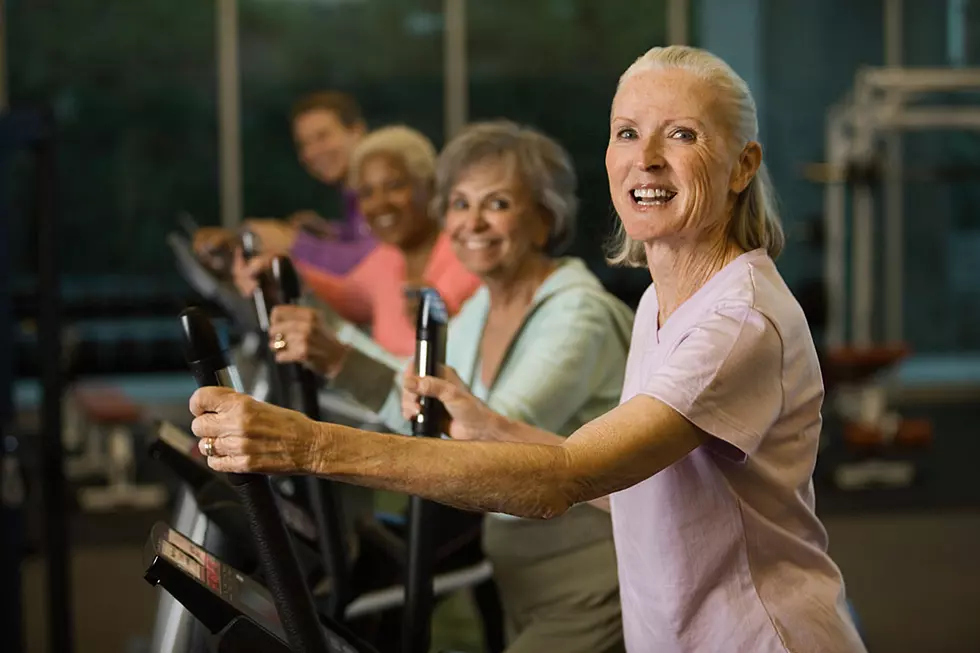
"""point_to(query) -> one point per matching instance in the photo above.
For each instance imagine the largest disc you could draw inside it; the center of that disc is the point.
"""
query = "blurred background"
(125, 120)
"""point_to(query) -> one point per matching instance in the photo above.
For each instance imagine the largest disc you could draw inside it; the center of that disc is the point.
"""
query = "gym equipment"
(430, 353)
(321, 493)
(207, 284)
(105, 418)
(34, 131)
(241, 614)
(292, 598)
(17, 130)
(883, 101)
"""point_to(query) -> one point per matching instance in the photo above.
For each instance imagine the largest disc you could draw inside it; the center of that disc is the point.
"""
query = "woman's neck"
(417, 250)
(517, 289)
(681, 267)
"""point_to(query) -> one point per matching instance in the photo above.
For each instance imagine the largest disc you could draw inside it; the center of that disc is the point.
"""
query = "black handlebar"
(210, 367)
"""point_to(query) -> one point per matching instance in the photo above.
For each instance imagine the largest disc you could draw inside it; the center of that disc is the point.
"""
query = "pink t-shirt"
(374, 291)
(722, 552)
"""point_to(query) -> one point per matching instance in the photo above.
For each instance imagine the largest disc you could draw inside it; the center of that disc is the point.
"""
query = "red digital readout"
(214, 573)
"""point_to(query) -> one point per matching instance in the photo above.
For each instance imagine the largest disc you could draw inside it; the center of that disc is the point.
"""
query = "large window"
(388, 53)
(132, 89)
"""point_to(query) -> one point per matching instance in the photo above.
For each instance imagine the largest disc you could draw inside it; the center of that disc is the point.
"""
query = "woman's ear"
(748, 164)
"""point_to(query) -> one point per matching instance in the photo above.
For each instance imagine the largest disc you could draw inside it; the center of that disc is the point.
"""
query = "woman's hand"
(307, 340)
(240, 434)
(469, 418)
(275, 236)
(213, 246)
(245, 274)
(312, 222)
(208, 240)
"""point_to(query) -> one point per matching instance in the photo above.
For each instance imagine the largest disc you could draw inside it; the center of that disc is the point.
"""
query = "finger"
(294, 336)
(410, 405)
(229, 445)
(430, 386)
(292, 355)
(209, 425)
(288, 313)
(230, 464)
(211, 399)
(258, 264)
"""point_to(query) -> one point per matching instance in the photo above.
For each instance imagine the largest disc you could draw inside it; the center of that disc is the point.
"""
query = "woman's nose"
(474, 219)
(652, 155)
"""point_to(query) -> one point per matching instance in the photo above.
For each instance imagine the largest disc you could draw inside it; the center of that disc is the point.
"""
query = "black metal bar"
(60, 623)
(11, 492)
(292, 597)
(325, 505)
(419, 599)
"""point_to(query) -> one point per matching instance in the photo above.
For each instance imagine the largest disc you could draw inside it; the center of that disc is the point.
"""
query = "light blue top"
(565, 365)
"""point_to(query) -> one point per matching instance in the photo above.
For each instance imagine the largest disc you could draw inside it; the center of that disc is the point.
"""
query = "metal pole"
(678, 28)
(229, 114)
(3, 55)
(456, 82)
(52, 382)
(862, 265)
(893, 222)
(835, 223)
(956, 32)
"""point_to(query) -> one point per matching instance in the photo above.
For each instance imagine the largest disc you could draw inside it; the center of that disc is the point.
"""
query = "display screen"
(185, 545)
(182, 560)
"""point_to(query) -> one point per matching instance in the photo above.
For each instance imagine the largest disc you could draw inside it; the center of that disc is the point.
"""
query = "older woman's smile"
(385, 221)
(652, 195)
(478, 243)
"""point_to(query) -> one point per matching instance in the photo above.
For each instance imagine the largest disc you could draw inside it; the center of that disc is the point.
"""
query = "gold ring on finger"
(280, 342)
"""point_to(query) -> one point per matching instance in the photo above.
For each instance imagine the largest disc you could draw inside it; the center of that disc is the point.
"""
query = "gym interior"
(129, 129)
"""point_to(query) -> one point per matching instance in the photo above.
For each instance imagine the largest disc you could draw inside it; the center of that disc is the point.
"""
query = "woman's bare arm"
(615, 451)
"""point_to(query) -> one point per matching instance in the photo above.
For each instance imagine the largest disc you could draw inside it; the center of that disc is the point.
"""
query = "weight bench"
(101, 418)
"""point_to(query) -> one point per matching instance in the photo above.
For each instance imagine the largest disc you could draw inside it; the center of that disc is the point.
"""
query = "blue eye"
(498, 204)
(459, 204)
(683, 135)
(626, 133)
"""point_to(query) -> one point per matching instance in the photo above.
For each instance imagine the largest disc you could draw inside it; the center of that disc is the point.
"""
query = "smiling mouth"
(386, 221)
(476, 245)
(652, 196)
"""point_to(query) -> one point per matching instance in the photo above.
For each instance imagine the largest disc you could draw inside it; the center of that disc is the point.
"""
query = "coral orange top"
(374, 291)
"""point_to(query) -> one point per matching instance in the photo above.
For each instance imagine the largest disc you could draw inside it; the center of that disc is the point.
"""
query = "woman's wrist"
(335, 366)
(324, 448)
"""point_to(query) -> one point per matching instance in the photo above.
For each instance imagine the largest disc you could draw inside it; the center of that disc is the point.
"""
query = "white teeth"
(652, 193)
(476, 244)
(386, 220)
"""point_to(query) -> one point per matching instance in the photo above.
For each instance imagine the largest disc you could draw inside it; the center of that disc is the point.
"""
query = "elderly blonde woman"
(709, 456)
(540, 342)
(391, 171)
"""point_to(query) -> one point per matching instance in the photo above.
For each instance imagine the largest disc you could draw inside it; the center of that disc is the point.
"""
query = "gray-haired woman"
(540, 342)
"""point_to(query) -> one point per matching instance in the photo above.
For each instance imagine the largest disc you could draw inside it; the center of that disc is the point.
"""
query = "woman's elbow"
(549, 508)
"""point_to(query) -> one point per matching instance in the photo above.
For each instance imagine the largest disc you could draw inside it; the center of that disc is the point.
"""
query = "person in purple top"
(327, 126)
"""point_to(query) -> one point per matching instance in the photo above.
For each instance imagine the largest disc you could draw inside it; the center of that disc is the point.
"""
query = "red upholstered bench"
(106, 405)
(104, 416)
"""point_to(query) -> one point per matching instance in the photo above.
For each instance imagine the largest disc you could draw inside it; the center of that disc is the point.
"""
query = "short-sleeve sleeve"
(725, 377)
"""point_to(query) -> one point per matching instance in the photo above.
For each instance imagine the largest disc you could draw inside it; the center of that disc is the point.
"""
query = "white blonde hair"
(755, 219)
(408, 145)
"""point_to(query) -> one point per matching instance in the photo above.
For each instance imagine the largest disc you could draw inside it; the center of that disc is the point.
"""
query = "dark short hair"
(343, 105)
